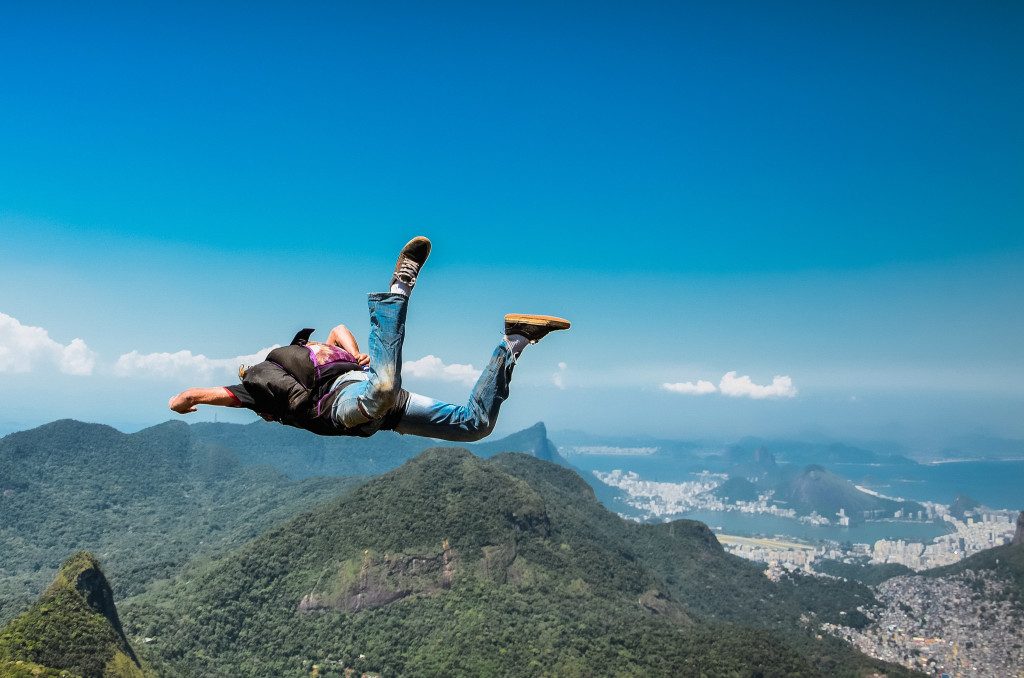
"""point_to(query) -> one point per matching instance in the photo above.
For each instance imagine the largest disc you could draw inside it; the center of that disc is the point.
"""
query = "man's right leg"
(371, 399)
(462, 423)
(476, 419)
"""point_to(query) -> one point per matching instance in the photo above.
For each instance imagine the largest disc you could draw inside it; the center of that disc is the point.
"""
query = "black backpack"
(291, 386)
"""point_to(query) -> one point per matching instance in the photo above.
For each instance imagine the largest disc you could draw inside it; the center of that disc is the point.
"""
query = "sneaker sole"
(538, 320)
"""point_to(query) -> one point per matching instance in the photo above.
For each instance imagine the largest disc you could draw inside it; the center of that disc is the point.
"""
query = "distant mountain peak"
(815, 488)
(532, 441)
(962, 505)
(764, 458)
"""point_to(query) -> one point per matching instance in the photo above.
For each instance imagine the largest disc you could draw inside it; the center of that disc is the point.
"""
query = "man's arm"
(342, 338)
(186, 401)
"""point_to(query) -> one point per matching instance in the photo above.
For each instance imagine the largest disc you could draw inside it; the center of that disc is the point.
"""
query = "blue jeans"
(367, 400)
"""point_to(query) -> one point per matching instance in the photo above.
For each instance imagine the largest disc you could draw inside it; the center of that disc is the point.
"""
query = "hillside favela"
(258, 550)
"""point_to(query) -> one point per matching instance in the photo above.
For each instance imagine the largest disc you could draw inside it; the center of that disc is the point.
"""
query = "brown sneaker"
(411, 259)
(533, 327)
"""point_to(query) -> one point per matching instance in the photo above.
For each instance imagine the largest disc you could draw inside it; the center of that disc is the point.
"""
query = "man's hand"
(341, 337)
(181, 403)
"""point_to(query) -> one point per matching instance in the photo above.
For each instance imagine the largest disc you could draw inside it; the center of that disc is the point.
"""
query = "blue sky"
(828, 193)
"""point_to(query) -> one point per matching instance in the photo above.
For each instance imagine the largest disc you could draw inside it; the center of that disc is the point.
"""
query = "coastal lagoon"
(744, 524)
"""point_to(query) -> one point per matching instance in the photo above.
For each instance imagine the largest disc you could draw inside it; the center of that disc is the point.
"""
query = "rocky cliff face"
(1018, 537)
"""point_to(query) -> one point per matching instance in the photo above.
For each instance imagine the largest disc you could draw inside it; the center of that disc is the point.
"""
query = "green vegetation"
(453, 564)
(504, 566)
(73, 629)
(862, 571)
(23, 669)
(148, 503)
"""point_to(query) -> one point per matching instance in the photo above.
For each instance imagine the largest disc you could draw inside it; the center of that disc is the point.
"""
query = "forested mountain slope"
(146, 503)
(451, 563)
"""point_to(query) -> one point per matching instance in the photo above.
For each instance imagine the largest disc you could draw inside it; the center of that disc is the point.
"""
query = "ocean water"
(734, 522)
(996, 484)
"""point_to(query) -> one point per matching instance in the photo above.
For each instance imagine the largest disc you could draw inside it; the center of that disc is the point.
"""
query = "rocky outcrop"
(73, 628)
(1018, 537)
(376, 580)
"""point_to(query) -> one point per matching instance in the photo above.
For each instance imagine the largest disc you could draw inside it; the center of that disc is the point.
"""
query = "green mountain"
(963, 505)
(817, 489)
(146, 503)
(301, 454)
(149, 502)
(72, 630)
(453, 564)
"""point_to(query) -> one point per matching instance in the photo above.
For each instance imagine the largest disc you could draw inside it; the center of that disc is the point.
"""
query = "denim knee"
(382, 391)
(473, 431)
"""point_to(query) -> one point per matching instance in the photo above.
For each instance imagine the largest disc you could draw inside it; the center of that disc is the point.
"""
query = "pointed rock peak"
(1018, 536)
(73, 627)
(539, 428)
(82, 572)
(532, 441)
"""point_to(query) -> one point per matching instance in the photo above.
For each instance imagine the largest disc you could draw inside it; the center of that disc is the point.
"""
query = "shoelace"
(515, 358)
(407, 271)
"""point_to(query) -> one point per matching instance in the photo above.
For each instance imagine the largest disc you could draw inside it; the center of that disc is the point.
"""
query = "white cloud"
(432, 367)
(184, 365)
(22, 347)
(558, 378)
(689, 388)
(740, 387)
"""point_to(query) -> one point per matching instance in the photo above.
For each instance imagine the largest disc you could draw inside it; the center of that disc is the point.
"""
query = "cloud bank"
(736, 387)
(22, 347)
(689, 388)
(184, 365)
(432, 367)
(742, 387)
